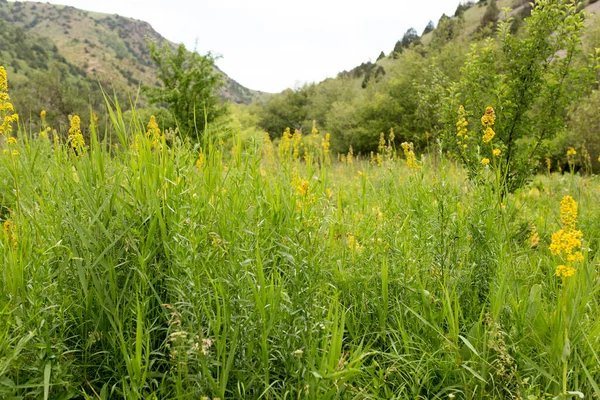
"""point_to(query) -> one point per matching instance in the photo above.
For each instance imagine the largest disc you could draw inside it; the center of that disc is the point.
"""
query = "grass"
(139, 269)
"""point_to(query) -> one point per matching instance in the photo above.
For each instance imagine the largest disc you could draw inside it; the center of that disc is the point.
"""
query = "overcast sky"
(271, 45)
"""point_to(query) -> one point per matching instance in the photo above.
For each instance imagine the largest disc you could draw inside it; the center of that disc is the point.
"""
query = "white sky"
(271, 45)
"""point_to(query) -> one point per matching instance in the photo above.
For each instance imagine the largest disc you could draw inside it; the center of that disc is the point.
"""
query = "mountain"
(93, 46)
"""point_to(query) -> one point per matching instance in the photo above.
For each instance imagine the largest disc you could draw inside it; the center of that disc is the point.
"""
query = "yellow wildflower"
(325, 143)
(75, 136)
(567, 240)
(3, 81)
(353, 243)
(568, 212)
(153, 129)
(10, 233)
(296, 142)
(489, 118)
(381, 146)
(284, 146)
(11, 140)
(267, 139)
(409, 153)
(302, 186)
(6, 108)
(565, 271)
(571, 152)
(497, 152)
(485, 161)
(575, 257)
(488, 135)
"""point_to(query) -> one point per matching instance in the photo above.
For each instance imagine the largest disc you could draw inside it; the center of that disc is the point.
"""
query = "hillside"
(415, 89)
(467, 25)
(109, 48)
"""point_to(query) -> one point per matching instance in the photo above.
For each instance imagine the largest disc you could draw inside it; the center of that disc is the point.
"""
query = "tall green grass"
(141, 274)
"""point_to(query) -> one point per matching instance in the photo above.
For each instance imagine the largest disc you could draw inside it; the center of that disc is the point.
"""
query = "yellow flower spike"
(3, 81)
(6, 108)
(409, 153)
(571, 152)
(381, 146)
(325, 143)
(153, 128)
(267, 139)
(488, 135)
(567, 241)
(10, 233)
(568, 212)
(75, 136)
(489, 118)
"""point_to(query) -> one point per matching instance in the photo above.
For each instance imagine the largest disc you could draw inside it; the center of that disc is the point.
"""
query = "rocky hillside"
(109, 48)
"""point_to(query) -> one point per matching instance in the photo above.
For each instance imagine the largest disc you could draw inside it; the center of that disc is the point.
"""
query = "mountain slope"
(109, 48)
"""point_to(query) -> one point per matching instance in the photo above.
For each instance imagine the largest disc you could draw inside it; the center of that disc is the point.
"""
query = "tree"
(490, 17)
(287, 109)
(462, 7)
(189, 88)
(381, 55)
(531, 81)
(410, 36)
(430, 26)
(447, 29)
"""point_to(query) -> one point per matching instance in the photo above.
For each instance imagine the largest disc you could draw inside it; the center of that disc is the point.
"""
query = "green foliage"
(410, 37)
(152, 271)
(430, 27)
(189, 88)
(163, 116)
(462, 7)
(491, 15)
(529, 84)
(447, 29)
(285, 110)
(583, 133)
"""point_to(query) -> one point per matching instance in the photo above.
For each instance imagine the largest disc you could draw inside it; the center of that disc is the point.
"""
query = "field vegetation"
(454, 255)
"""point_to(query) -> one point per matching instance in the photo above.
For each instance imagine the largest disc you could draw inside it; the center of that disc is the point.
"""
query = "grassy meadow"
(148, 268)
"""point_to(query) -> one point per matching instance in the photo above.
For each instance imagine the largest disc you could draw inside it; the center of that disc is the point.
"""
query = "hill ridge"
(108, 47)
